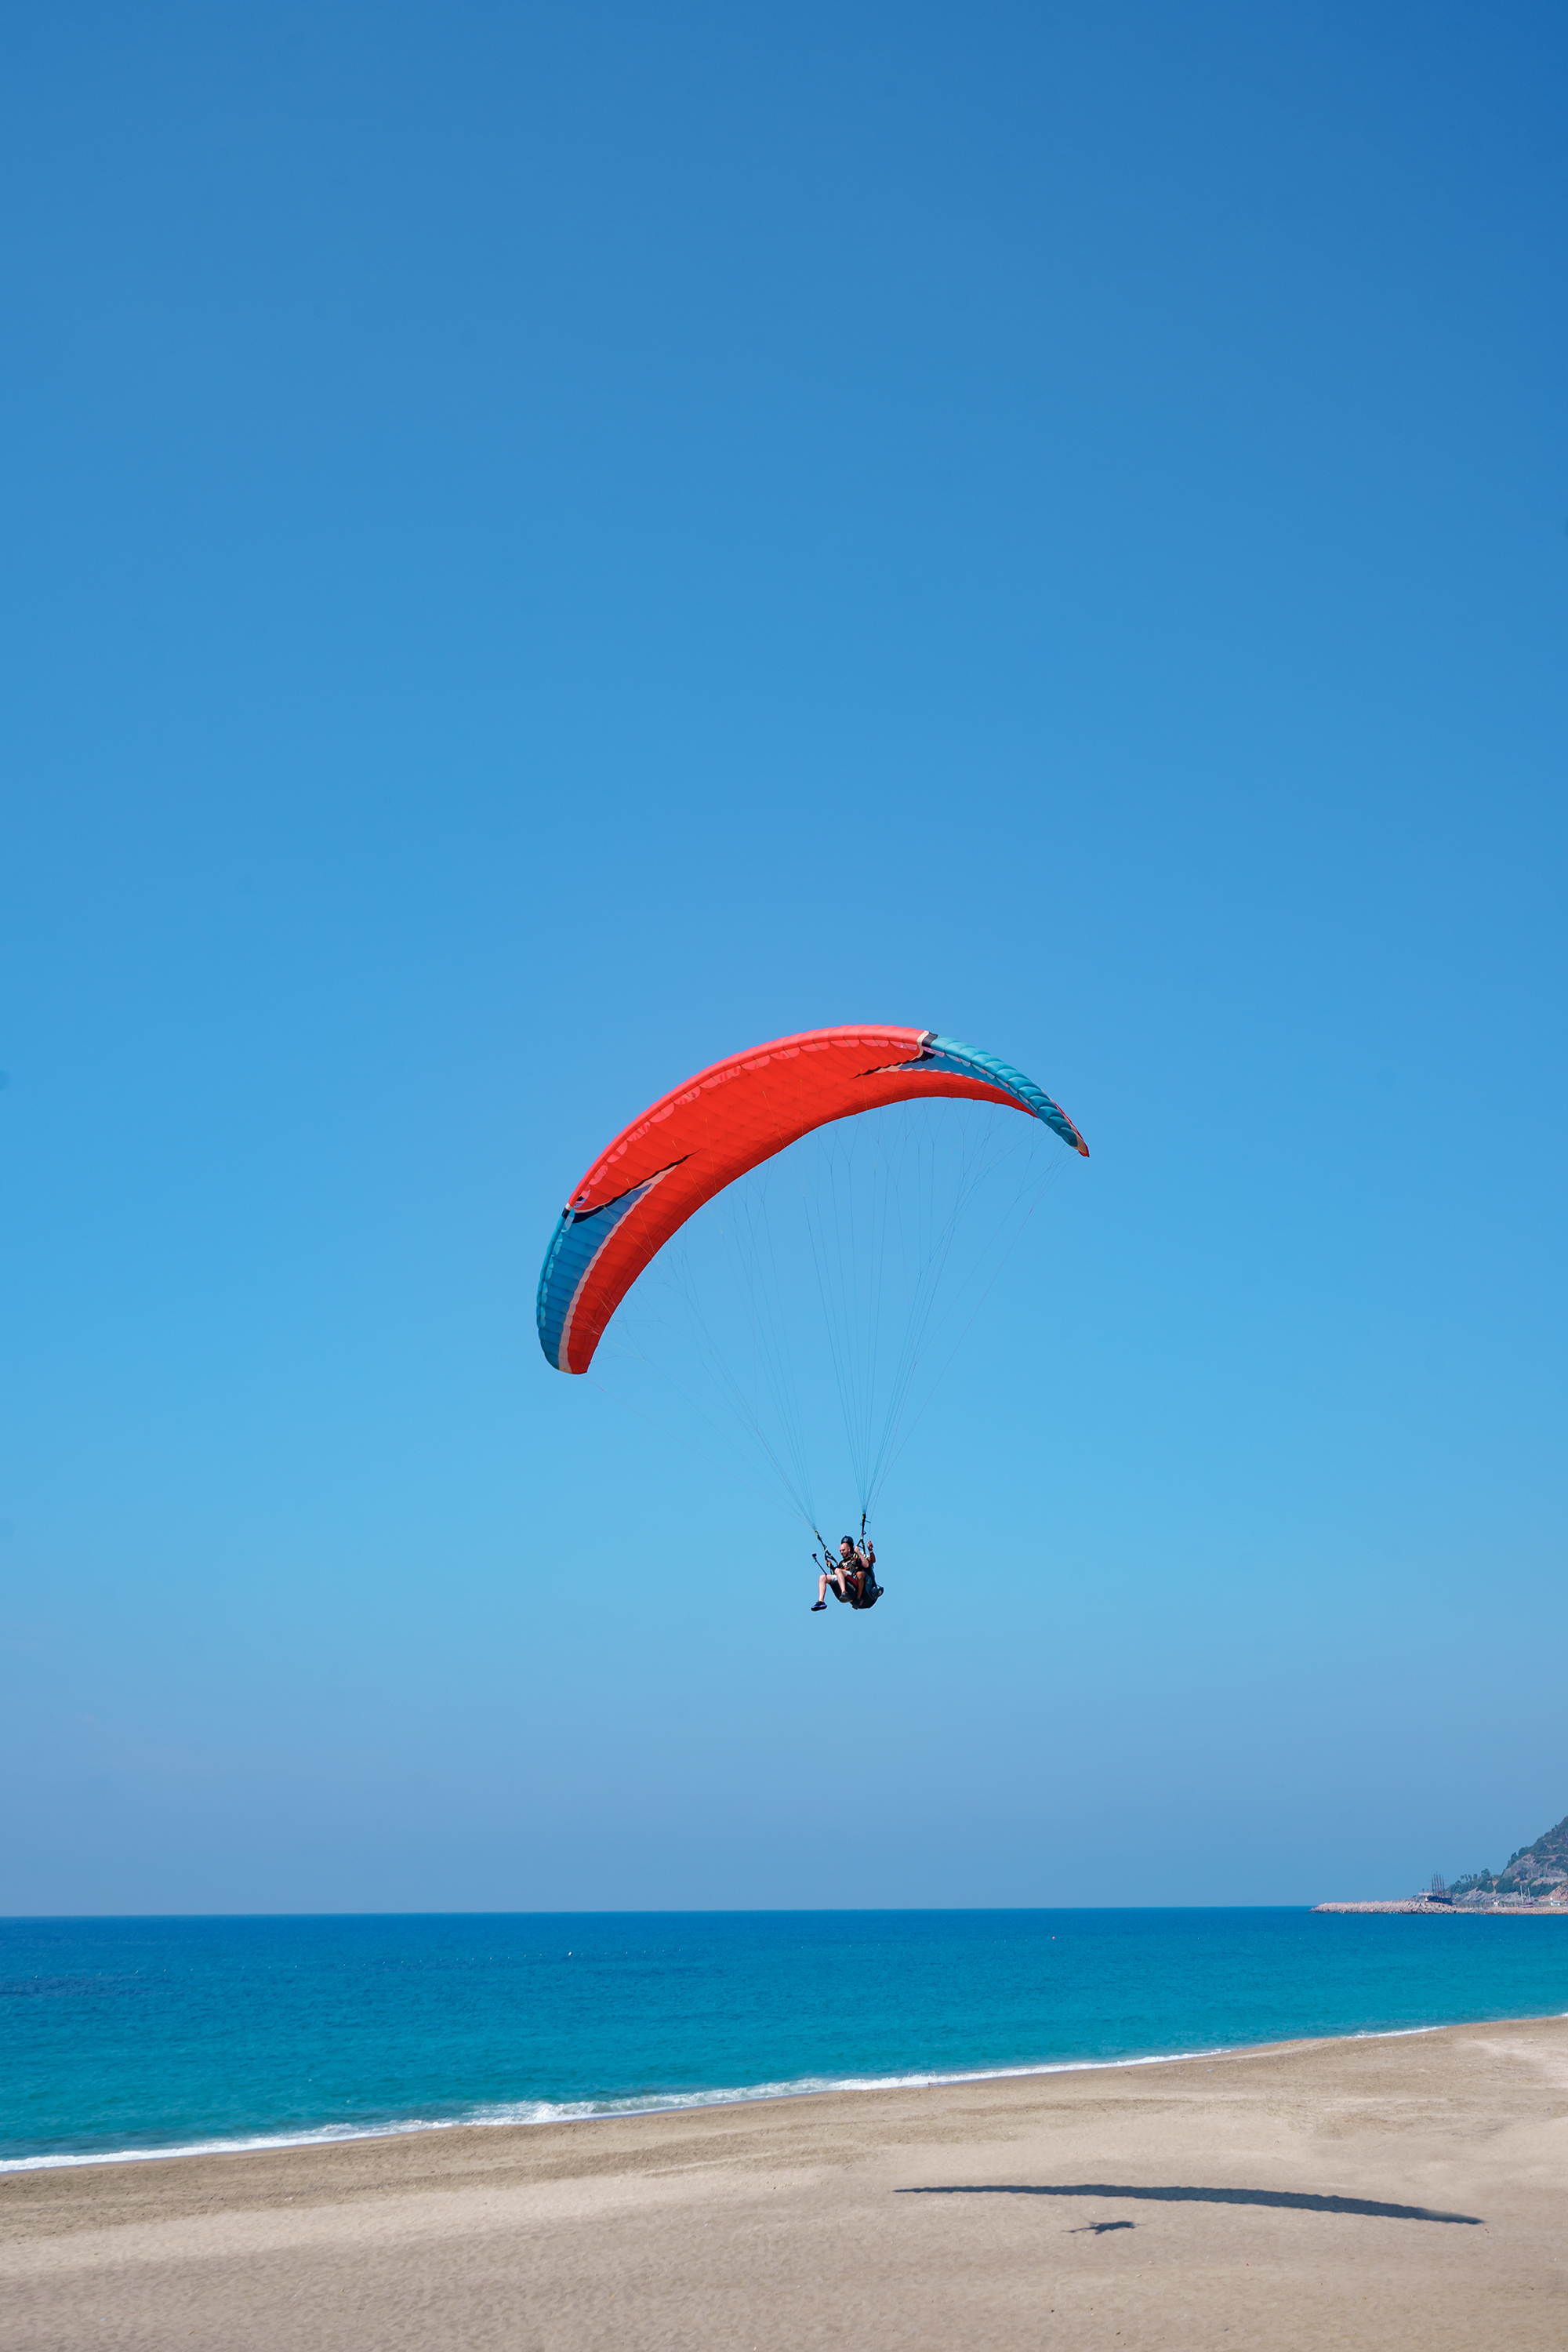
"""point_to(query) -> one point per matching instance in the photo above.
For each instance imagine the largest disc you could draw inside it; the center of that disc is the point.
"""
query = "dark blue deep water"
(141, 2035)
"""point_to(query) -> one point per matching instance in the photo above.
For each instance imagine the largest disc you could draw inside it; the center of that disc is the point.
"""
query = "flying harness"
(870, 1591)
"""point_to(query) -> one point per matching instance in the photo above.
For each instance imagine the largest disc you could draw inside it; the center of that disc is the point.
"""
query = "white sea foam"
(663, 2102)
(548, 2111)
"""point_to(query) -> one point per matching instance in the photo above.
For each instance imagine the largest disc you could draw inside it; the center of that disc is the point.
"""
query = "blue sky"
(546, 545)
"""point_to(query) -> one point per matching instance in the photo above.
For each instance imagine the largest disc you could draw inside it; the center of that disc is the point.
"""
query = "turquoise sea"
(144, 2036)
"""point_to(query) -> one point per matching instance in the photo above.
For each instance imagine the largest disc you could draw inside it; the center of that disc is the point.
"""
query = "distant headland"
(1533, 1880)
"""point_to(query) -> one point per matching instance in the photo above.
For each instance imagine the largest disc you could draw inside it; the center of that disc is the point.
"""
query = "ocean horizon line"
(669, 1911)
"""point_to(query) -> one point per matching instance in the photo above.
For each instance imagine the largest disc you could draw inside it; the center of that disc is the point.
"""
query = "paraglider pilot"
(848, 1572)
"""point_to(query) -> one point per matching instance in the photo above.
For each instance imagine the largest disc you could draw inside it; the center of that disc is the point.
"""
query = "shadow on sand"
(1292, 2200)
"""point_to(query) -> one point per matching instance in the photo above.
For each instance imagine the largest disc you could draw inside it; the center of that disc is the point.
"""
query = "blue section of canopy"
(577, 1243)
(970, 1061)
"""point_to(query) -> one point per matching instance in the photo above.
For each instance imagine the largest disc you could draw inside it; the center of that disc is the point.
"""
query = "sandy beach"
(1401, 2191)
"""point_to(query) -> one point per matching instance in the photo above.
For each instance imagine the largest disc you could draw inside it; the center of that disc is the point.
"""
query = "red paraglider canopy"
(687, 1147)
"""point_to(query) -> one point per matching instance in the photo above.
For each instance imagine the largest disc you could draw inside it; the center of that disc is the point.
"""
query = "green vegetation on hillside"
(1534, 1870)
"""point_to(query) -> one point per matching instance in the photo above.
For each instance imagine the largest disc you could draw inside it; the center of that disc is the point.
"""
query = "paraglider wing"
(683, 1149)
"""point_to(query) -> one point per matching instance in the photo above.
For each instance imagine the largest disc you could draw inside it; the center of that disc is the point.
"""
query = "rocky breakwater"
(1465, 1907)
(1532, 1884)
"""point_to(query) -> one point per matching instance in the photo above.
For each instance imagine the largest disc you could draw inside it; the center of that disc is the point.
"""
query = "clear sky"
(543, 545)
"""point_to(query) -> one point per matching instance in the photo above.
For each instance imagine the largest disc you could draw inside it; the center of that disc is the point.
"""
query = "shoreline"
(552, 2114)
(1369, 2192)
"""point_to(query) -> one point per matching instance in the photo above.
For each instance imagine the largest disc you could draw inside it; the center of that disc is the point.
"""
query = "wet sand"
(1410, 2192)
